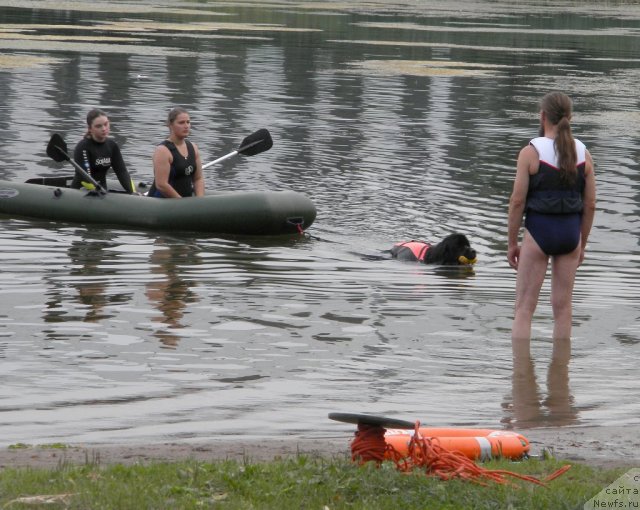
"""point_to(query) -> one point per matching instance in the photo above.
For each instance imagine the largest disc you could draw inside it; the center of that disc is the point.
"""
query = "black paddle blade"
(367, 419)
(57, 148)
(256, 143)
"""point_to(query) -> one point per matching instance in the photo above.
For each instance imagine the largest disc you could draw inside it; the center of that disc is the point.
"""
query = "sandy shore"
(598, 446)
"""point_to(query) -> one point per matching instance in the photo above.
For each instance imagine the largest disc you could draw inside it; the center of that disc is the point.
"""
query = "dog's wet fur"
(446, 252)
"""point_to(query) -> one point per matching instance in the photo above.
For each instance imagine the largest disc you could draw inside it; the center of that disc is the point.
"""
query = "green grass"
(300, 483)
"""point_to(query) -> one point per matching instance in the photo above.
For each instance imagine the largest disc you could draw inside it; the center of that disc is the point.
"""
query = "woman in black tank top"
(177, 168)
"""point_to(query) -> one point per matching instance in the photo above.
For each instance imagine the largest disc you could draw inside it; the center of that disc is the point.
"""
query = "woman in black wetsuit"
(555, 187)
(177, 168)
(96, 153)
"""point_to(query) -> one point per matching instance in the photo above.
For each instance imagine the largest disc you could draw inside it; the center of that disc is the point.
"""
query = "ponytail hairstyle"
(557, 108)
(91, 116)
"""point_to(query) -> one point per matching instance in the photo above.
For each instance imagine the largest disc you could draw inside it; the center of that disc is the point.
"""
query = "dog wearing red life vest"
(454, 249)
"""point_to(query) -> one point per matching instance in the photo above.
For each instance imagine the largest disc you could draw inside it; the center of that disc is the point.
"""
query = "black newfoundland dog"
(454, 249)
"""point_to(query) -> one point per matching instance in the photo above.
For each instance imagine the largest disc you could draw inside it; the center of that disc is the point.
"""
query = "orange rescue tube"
(476, 444)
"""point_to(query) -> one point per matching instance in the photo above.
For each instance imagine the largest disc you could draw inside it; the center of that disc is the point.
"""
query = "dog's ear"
(461, 239)
(457, 245)
(450, 249)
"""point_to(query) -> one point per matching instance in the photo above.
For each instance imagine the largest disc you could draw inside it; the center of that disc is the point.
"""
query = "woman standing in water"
(177, 168)
(555, 187)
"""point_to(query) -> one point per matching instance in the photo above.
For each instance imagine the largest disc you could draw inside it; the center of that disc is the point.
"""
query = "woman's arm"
(589, 203)
(78, 155)
(81, 158)
(198, 175)
(120, 169)
(527, 160)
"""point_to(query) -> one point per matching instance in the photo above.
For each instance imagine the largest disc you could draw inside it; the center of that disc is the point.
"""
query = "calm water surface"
(399, 120)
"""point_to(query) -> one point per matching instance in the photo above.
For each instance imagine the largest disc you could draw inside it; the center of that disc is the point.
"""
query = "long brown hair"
(557, 108)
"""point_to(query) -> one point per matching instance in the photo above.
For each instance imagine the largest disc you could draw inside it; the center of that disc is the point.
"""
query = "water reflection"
(87, 257)
(529, 407)
(455, 272)
(92, 268)
(171, 293)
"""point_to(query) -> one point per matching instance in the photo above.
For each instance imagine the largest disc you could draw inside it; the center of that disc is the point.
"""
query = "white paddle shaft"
(211, 163)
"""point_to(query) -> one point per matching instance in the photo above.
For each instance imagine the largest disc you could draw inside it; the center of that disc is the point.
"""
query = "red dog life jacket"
(418, 248)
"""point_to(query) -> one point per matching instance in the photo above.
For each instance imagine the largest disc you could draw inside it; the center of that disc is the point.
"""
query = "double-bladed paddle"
(253, 144)
(57, 150)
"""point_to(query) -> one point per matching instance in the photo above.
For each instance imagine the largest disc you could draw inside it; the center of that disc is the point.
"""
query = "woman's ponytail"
(566, 150)
(557, 108)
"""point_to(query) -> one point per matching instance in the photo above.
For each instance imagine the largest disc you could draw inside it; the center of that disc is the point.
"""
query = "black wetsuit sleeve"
(120, 169)
(77, 154)
(78, 157)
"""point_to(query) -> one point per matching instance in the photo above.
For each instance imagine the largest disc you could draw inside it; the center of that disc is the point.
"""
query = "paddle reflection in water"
(171, 294)
(528, 408)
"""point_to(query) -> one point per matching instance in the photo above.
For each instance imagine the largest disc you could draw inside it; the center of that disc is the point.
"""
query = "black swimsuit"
(554, 209)
(181, 171)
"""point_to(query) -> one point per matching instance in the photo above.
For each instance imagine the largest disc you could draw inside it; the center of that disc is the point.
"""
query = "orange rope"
(369, 444)
(560, 471)
(426, 453)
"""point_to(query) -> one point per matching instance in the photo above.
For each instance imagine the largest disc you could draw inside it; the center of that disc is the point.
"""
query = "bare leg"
(532, 268)
(562, 279)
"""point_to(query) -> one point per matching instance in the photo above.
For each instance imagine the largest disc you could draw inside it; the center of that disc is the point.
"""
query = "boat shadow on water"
(100, 274)
(90, 272)
(178, 265)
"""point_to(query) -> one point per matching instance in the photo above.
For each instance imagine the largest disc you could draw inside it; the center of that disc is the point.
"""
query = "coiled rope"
(426, 454)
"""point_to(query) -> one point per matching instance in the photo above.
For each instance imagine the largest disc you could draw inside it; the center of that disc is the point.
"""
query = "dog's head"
(454, 249)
